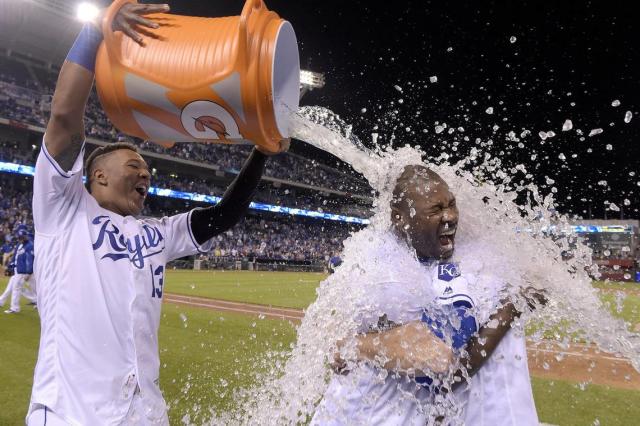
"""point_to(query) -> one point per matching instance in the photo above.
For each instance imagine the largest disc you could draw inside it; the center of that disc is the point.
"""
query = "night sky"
(569, 60)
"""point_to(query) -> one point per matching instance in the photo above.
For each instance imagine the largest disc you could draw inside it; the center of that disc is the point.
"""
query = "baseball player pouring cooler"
(101, 269)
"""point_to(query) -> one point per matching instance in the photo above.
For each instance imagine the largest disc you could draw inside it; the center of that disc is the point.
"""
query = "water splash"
(522, 243)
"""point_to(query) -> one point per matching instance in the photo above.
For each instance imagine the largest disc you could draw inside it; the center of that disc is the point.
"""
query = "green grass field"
(285, 289)
(206, 354)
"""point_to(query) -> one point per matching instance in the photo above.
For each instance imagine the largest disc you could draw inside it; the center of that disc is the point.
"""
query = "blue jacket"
(23, 258)
(6, 248)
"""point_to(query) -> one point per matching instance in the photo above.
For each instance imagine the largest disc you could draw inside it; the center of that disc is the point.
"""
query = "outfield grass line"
(235, 305)
(231, 302)
(591, 346)
(230, 309)
(579, 354)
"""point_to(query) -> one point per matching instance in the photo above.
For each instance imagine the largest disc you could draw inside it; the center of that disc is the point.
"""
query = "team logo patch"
(448, 271)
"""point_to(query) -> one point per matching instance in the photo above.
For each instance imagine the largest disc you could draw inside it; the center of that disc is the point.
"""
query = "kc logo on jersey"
(448, 271)
(127, 248)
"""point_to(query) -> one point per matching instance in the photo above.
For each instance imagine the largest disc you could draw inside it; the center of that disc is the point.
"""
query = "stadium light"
(87, 12)
(311, 79)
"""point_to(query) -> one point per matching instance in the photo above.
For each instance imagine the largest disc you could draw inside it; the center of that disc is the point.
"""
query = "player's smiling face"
(428, 216)
(123, 182)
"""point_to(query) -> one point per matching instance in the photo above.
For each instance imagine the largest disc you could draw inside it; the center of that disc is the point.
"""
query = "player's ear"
(99, 176)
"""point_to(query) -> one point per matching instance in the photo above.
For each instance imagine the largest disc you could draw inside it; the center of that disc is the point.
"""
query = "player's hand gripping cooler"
(225, 80)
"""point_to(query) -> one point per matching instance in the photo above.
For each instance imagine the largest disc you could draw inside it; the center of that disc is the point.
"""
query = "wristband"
(85, 48)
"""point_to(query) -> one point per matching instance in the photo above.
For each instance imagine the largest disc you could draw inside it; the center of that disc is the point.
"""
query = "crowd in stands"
(15, 209)
(13, 152)
(281, 240)
(274, 238)
(257, 236)
(26, 101)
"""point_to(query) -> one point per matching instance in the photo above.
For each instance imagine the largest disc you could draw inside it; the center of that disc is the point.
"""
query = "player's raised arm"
(65, 129)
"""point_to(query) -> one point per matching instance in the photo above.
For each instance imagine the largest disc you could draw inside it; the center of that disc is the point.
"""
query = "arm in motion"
(208, 222)
(65, 129)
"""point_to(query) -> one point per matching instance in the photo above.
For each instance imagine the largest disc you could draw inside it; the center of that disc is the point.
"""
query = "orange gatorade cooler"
(202, 79)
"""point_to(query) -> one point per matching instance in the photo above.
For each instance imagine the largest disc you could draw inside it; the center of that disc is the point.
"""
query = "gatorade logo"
(209, 120)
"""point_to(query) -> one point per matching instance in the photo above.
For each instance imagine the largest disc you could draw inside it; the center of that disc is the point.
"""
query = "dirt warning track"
(583, 364)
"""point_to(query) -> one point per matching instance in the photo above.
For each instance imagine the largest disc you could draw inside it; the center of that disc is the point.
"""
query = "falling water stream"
(520, 243)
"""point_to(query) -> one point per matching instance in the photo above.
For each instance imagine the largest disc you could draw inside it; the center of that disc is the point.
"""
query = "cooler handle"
(249, 7)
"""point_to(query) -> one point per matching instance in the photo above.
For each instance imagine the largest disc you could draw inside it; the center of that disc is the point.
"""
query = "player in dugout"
(479, 326)
(99, 267)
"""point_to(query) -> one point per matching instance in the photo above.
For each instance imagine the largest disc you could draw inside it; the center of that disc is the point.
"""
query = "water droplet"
(433, 79)
(489, 110)
(568, 125)
(513, 39)
(627, 117)
(594, 132)
(609, 147)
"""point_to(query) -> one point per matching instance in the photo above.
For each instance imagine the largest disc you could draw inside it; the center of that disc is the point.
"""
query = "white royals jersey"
(500, 392)
(368, 396)
(100, 284)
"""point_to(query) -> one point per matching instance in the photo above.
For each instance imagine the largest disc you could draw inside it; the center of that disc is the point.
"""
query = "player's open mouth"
(446, 238)
(142, 190)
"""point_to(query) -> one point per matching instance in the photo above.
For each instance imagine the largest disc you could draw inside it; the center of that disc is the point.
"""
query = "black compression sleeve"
(208, 222)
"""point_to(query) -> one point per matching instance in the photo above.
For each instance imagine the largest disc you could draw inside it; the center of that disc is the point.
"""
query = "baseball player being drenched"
(100, 269)
(416, 266)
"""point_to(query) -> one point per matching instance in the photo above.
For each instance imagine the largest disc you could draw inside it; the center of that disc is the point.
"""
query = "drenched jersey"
(100, 285)
(499, 394)
(405, 291)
